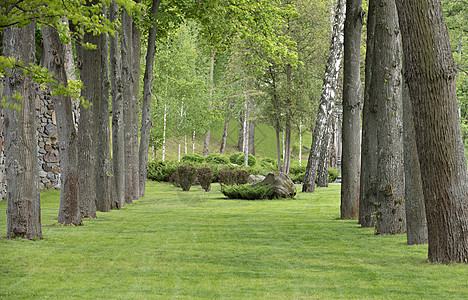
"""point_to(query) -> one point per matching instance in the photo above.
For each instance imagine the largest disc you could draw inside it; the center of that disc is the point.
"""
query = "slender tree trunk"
(22, 174)
(178, 153)
(386, 79)
(430, 73)
(240, 141)
(193, 142)
(118, 137)
(225, 134)
(105, 192)
(164, 133)
(327, 98)
(54, 57)
(352, 97)
(368, 186)
(127, 79)
(287, 145)
(416, 225)
(146, 121)
(300, 143)
(245, 147)
(185, 143)
(89, 123)
(322, 171)
(136, 70)
(284, 147)
(252, 138)
(278, 147)
(206, 145)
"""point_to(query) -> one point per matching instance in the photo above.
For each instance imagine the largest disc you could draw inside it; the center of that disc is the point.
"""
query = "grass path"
(174, 244)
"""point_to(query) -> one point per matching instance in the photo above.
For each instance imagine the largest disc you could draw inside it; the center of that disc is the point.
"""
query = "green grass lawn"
(174, 244)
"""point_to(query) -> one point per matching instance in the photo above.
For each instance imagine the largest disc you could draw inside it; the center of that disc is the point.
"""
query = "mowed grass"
(174, 244)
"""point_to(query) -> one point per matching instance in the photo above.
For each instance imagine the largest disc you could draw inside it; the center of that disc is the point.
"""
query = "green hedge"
(217, 158)
(192, 157)
(247, 192)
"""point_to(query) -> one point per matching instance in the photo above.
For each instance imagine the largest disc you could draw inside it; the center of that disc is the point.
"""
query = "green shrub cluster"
(161, 171)
(252, 161)
(216, 158)
(205, 178)
(269, 163)
(233, 158)
(186, 177)
(297, 173)
(333, 174)
(247, 192)
(192, 157)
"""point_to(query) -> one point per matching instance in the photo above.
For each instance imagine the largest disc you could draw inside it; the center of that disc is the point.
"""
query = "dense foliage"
(247, 192)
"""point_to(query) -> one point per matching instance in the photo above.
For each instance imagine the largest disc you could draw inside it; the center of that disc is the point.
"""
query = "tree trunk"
(164, 133)
(278, 147)
(416, 225)
(368, 186)
(252, 138)
(240, 141)
(136, 70)
(327, 98)
(22, 174)
(352, 97)
(146, 121)
(430, 73)
(287, 145)
(105, 193)
(245, 138)
(193, 142)
(54, 57)
(118, 138)
(225, 134)
(322, 175)
(386, 79)
(89, 123)
(206, 145)
(300, 143)
(128, 98)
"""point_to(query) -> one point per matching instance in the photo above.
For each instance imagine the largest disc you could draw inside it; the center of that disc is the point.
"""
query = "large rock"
(255, 178)
(282, 185)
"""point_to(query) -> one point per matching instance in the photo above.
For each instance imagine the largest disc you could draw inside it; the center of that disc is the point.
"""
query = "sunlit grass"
(199, 245)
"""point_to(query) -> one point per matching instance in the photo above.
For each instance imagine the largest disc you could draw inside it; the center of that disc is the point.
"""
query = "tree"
(23, 200)
(416, 224)
(54, 58)
(386, 89)
(327, 97)
(430, 72)
(368, 185)
(352, 98)
(146, 122)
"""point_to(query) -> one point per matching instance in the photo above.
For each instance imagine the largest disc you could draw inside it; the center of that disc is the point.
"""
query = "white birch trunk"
(164, 133)
(193, 142)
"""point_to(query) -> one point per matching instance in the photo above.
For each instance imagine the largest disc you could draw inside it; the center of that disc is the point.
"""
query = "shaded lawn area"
(200, 245)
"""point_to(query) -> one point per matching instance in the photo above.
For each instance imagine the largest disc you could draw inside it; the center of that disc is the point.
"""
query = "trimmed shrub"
(296, 170)
(161, 171)
(269, 162)
(187, 176)
(217, 158)
(192, 157)
(241, 176)
(297, 178)
(204, 177)
(233, 158)
(333, 174)
(226, 177)
(174, 179)
(251, 160)
(247, 192)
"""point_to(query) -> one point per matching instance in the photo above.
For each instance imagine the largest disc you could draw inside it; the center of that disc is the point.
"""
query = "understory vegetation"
(174, 244)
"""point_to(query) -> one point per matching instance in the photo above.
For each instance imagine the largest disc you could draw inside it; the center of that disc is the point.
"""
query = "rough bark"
(240, 141)
(127, 80)
(386, 79)
(222, 149)
(146, 122)
(416, 225)
(322, 171)
(23, 200)
(54, 57)
(327, 97)
(105, 192)
(352, 97)
(118, 138)
(368, 186)
(252, 138)
(430, 73)
(90, 73)
(278, 147)
(136, 70)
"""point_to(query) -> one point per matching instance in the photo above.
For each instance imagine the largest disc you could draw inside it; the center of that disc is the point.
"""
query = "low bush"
(174, 179)
(251, 160)
(205, 177)
(187, 176)
(269, 162)
(233, 158)
(193, 157)
(217, 158)
(241, 176)
(231, 177)
(333, 174)
(247, 192)
(296, 170)
(161, 171)
(297, 178)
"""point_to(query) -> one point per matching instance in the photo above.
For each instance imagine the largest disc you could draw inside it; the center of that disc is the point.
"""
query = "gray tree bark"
(416, 225)
(368, 186)
(430, 72)
(327, 98)
(322, 170)
(252, 138)
(22, 174)
(222, 149)
(90, 73)
(136, 70)
(128, 96)
(105, 192)
(386, 79)
(352, 98)
(118, 137)
(146, 122)
(54, 57)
